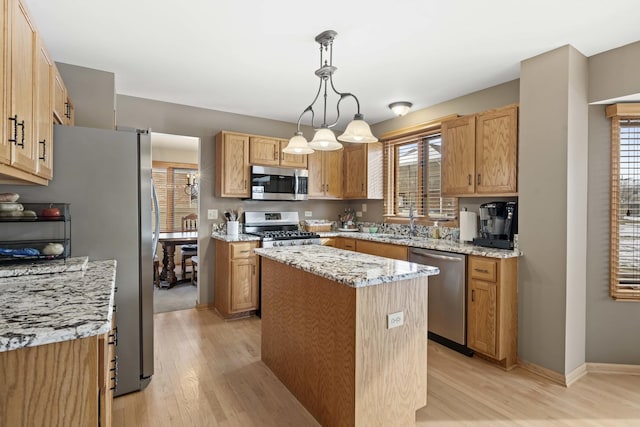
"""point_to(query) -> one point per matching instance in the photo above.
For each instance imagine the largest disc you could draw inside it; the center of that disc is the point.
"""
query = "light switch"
(364, 207)
(359, 214)
(308, 214)
(212, 214)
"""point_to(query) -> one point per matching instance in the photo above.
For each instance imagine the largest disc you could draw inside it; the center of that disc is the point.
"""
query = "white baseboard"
(613, 368)
(580, 371)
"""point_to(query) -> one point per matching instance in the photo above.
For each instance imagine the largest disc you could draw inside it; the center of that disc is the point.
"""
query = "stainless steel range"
(278, 229)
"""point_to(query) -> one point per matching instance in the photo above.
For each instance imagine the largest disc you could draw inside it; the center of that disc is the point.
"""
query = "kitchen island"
(54, 352)
(346, 333)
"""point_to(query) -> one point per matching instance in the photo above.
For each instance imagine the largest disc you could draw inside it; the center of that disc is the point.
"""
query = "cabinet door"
(382, 249)
(59, 98)
(264, 151)
(244, 285)
(497, 151)
(235, 166)
(23, 38)
(7, 127)
(482, 317)
(458, 156)
(316, 183)
(43, 116)
(333, 174)
(355, 172)
(292, 160)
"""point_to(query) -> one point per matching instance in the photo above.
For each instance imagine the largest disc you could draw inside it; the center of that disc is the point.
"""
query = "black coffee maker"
(498, 224)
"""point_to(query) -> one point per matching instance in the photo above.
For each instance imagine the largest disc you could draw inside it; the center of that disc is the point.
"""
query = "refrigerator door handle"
(156, 209)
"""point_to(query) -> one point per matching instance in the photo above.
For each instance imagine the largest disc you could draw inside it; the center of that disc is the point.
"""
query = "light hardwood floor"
(208, 373)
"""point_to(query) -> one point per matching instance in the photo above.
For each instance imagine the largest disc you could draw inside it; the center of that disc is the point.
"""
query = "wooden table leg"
(171, 265)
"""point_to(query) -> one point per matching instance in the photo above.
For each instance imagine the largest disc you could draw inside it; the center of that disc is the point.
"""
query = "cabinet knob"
(14, 119)
(478, 179)
(21, 143)
(469, 179)
(473, 295)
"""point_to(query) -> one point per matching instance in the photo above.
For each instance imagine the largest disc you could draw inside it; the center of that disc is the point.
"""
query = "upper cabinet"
(43, 107)
(267, 151)
(480, 153)
(363, 171)
(325, 174)
(233, 175)
(63, 111)
(27, 82)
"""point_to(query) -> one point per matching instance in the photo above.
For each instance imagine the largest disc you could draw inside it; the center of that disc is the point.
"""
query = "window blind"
(412, 170)
(174, 200)
(625, 208)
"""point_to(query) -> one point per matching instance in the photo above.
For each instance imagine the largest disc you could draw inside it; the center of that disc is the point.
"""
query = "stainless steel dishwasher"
(447, 317)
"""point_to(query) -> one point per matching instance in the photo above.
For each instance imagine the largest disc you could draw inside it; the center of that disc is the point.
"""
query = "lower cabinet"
(236, 278)
(386, 250)
(57, 384)
(346, 243)
(492, 309)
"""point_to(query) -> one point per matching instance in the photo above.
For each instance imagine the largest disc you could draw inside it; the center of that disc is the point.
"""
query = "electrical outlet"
(308, 214)
(359, 214)
(395, 319)
(212, 214)
(364, 207)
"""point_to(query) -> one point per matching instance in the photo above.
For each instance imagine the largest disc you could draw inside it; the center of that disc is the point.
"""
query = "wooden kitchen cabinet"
(233, 173)
(27, 79)
(325, 174)
(54, 384)
(363, 171)
(236, 278)
(264, 151)
(267, 151)
(63, 109)
(480, 153)
(345, 243)
(20, 89)
(291, 160)
(492, 309)
(43, 107)
(107, 372)
(386, 250)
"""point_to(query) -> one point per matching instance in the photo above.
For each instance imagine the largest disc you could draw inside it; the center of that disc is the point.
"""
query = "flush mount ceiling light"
(400, 108)
(324, 139)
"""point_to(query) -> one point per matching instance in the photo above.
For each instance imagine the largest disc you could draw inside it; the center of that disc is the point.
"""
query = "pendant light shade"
(358, 131)
(298, 145)
(324, 140)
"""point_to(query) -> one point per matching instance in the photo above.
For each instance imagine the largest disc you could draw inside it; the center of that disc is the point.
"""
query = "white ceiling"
(258, 57)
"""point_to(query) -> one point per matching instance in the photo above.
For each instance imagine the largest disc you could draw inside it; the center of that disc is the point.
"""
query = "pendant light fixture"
(324, 139)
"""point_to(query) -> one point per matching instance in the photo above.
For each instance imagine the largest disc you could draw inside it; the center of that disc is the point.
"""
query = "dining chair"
(189, 223)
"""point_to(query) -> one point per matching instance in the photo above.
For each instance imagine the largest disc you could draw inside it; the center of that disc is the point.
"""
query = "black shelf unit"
(20, 250)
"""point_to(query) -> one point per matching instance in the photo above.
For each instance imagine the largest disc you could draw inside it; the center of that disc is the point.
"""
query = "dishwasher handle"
(435, 256)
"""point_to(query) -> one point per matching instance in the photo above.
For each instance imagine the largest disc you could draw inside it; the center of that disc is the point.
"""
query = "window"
(625, 201)
(412, 178)
(175, 198)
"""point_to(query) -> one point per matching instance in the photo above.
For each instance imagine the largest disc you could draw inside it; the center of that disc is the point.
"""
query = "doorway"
(176, 176)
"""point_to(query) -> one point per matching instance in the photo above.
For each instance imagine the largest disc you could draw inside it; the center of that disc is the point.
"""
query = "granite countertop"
(48, 308)
(427, 243)
(44, 267)
(234, 238)
(347, 267)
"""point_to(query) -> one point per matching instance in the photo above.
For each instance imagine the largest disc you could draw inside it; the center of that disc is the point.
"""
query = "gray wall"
(612, 326)
(205, 124)
(93, 95)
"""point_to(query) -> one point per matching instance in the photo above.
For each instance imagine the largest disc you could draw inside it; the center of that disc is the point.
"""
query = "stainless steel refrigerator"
(106, 177)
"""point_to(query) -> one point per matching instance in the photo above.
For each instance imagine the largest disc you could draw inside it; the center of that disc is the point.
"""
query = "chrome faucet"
(412, 221)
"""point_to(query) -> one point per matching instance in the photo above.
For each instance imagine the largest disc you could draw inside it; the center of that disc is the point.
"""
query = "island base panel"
(329, 345)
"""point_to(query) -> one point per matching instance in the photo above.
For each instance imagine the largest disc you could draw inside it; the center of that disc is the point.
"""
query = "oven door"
(278, 183)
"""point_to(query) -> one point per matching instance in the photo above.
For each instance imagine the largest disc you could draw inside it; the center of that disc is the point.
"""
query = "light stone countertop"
(347, 267)
(427, 243)
(44, 267)
(241, 237)
(49, 308)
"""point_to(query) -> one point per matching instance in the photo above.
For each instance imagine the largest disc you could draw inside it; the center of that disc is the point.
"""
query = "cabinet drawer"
(349, 244)
(241, 250)
(483, 269)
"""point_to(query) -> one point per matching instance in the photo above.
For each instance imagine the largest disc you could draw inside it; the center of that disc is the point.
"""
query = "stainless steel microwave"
(269, 183)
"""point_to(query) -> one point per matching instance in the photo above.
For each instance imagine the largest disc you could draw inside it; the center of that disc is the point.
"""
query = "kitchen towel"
(468, 226)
